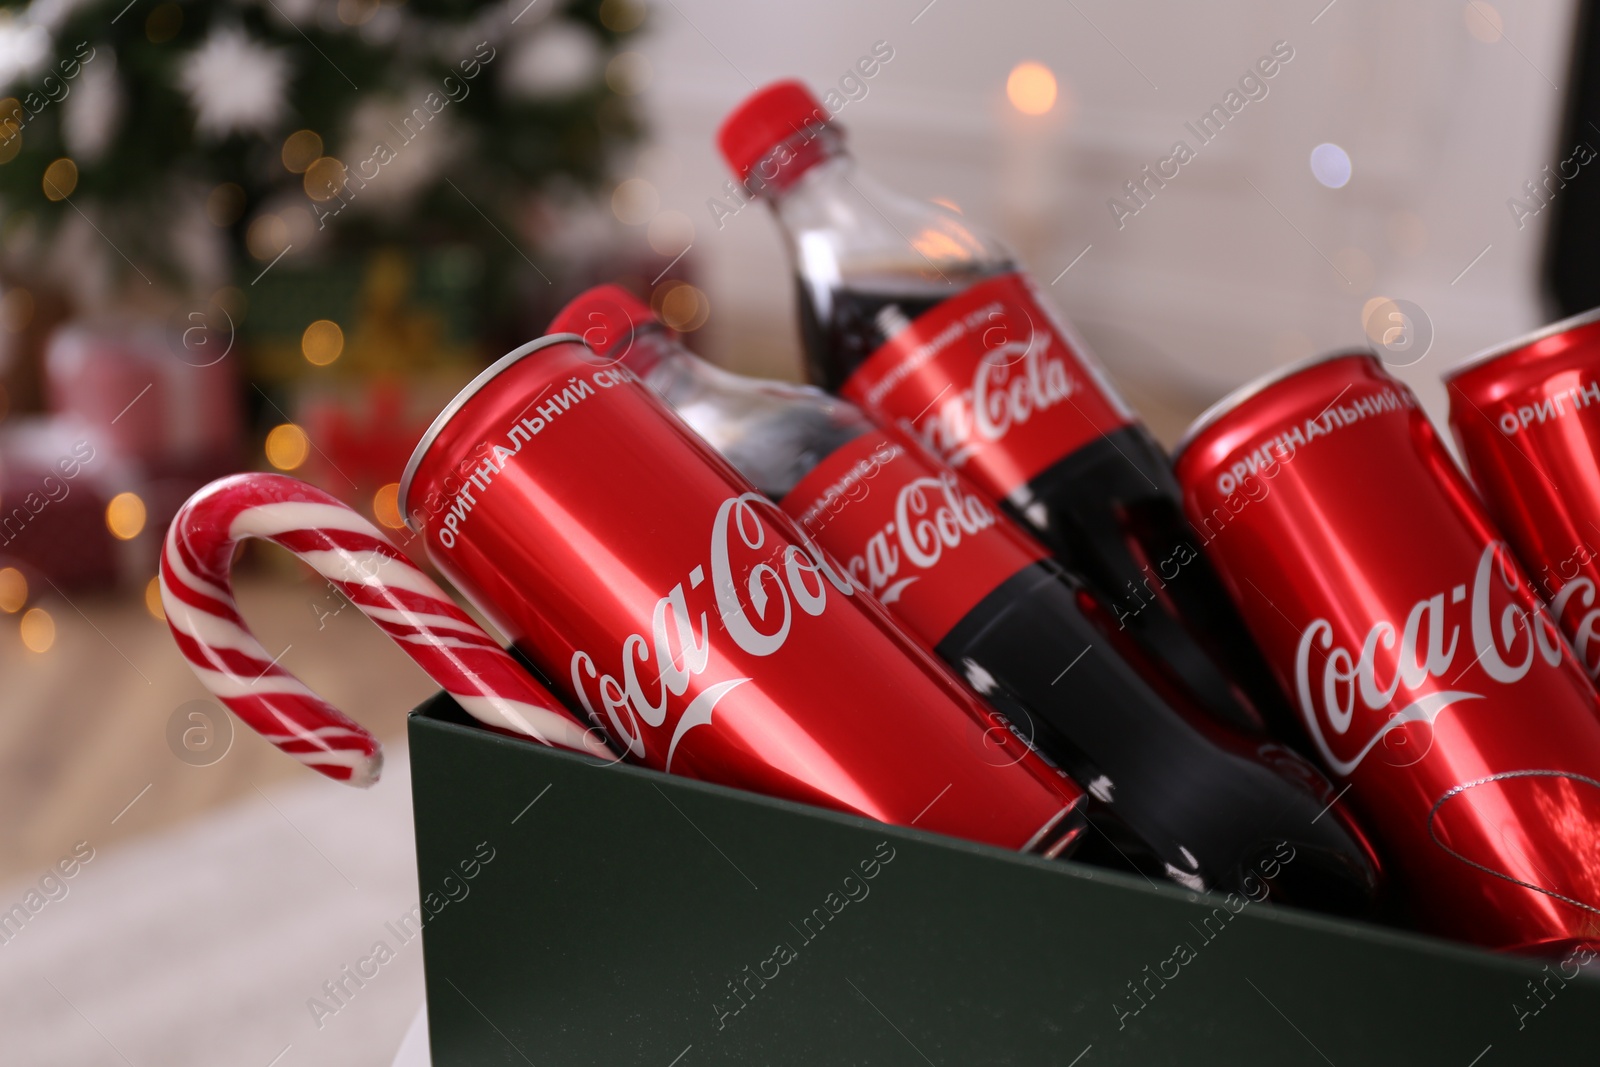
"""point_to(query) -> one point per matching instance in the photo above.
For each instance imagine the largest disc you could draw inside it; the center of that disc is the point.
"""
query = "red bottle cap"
(605, 317)
(765, 120)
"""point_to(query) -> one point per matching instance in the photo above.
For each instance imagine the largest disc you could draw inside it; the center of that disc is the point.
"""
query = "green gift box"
(580, 912)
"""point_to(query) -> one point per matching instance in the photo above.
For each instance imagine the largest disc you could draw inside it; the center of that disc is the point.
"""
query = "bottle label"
(913, 533)
(993, 383)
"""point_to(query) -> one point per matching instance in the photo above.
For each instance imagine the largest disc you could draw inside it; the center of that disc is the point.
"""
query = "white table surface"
(202, 944)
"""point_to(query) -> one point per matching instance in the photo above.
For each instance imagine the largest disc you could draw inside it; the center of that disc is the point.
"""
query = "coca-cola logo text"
(1015, 380)
(931, 515)
(761, 585)
(1502, 642)
(1582, 629)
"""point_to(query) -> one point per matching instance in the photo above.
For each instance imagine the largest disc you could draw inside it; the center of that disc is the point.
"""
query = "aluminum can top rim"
(1213, 414)
(1506, 348)
(451, 409)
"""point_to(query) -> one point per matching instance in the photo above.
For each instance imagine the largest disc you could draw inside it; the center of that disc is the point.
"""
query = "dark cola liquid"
(1176, 794)
(839, 329)
(1110, 511)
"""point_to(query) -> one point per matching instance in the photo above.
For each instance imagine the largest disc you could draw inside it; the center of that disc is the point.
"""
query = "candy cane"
(346, 549)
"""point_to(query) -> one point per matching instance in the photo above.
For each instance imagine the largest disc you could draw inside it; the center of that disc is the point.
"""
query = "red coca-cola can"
(691, 619)
(1527, 418)
(1428, 675)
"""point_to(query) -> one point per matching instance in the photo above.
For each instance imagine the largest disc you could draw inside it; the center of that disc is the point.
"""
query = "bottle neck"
(646, 349)
(671, 370)
(774, 433)
(807, 156)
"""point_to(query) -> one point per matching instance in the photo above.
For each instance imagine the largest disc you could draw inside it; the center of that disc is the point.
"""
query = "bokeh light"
(324, 178)
(1374, 328)
(1330, 165)
(670, 232)
(628, 73)
(1031, 88)
(287, 446)
(125, 516)
(267, 237)
(38, 630)
(60, 179)
(1483, 21)
(356, 12)
(681, 306)
(386, 506)
(13, 590)
(301, 149)
(635, 202)
(10, 129)
(299, 225)
(152, 598)
(322, 342)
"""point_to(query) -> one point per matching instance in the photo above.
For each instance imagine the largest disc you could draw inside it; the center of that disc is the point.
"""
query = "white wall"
(1209, 285)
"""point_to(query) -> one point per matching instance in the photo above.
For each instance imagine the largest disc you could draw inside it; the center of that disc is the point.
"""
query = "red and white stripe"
(346, 549)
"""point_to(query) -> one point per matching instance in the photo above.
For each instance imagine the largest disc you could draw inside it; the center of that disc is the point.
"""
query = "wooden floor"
(84, 752)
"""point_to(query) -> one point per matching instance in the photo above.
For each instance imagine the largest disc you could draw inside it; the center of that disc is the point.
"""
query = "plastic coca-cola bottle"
(927, 323)
(1177, 793)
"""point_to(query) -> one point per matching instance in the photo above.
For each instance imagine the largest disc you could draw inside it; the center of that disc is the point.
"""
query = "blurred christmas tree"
(156, 152)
